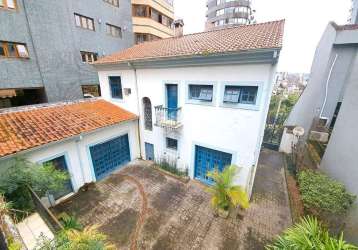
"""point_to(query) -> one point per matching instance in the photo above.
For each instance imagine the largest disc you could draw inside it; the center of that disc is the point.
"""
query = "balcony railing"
(168, 117)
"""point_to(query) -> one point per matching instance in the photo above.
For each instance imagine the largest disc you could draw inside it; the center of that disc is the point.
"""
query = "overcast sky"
(305, 23)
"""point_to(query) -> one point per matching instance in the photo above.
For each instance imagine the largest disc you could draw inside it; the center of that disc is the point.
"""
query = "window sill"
(81, 28)
(199, 102)
(14, 58)
(253, 107)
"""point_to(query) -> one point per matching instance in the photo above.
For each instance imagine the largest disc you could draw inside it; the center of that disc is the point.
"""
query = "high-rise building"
(226, 13)
(353, 15)
(46, 47)
(152, 19)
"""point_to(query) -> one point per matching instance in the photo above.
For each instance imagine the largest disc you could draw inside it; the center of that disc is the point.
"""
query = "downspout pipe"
(138, 107)
(327, 83)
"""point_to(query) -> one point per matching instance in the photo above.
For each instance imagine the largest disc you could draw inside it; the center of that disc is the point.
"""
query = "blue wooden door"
(60, 163)
(172, 101)
(149, 151)
(206, 160)
(110, 155)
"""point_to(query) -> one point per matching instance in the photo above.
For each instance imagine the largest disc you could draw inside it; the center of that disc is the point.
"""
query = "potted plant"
(225, 194)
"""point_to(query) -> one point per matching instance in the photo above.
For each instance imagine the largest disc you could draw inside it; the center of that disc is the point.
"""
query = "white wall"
(234, 130)
(76, 150)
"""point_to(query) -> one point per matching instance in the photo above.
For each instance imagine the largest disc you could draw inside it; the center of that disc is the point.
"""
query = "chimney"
(178, 27)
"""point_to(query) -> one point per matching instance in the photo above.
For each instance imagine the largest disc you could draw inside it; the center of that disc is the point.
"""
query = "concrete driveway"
(140, 208)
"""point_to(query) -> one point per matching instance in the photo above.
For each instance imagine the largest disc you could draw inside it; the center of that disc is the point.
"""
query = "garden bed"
(183, 178)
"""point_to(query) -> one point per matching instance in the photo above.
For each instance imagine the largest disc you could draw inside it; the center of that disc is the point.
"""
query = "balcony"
(168, 118)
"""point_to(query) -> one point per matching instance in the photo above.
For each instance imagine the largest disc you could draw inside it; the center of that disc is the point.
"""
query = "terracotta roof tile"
(246, 37)
(29, 127)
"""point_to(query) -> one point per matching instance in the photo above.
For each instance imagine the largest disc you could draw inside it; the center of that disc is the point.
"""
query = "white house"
(74, 136)
(202, 99)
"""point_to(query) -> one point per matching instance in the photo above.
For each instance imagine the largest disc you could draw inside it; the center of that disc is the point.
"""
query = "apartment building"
(226, 13)
(152, 19)
(46, 47)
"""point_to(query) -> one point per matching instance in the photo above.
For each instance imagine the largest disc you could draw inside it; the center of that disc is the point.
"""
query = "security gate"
(206, 160)
(108, 156)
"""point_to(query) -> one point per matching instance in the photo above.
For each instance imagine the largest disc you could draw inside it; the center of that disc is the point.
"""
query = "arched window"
(147, 110)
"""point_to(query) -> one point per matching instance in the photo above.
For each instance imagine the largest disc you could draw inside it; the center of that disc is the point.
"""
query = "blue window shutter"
(116, 87)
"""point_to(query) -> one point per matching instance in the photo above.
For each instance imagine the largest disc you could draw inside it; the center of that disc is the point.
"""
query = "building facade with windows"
(46, 47)
(152, 19)
(199, 110)
(226, 13)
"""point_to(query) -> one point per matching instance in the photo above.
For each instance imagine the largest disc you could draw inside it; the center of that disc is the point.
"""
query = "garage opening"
(109, 156)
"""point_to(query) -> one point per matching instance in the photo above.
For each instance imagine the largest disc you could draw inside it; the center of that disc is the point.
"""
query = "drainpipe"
(327, 82)
(80, 158)
(138, 109)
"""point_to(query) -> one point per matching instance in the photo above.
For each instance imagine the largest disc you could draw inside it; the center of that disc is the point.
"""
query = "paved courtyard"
(140, 208)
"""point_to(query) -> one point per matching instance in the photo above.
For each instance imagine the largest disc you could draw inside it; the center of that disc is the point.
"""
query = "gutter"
(138, 109)
(64, 140)
(189, 56)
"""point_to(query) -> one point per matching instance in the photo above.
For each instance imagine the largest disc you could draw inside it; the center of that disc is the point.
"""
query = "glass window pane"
(83, 56)
(2, 49)
(22, 50)
(90, 24)
(84, 22)
(11, 4)
(11, 50)
(78, 20)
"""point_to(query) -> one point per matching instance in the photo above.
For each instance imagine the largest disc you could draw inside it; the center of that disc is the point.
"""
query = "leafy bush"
(88, 239)
(22, 174)
(70, 222)
(225, 194)
(170, 166)
(319, 192)
(309, 234)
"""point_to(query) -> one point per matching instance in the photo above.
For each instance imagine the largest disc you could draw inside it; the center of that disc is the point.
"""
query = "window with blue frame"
(172, 143)
(201, 92)
(240, 94)
(116, 87)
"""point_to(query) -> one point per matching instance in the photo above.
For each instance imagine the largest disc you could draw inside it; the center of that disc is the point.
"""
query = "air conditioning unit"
(319, 136)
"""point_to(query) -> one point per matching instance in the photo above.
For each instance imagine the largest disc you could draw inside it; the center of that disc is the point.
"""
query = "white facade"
(236, 129)
(77, 154)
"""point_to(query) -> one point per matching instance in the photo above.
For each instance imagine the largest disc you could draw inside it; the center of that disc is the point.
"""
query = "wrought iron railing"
(168, 117)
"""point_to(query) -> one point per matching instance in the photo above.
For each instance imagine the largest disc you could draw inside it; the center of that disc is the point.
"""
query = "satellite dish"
(298, 131)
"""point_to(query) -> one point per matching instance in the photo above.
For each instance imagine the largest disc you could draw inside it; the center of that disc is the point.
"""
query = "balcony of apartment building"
(151, 21)
(21, 97)
(168, 118)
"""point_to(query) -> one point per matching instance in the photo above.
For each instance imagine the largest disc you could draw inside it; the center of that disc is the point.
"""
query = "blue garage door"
(110, 155)
(206, 160)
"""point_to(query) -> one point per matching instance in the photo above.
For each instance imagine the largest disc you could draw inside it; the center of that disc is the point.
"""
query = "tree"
(14, 182)
(225, 194)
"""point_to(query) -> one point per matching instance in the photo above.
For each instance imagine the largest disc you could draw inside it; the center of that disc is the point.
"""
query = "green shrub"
(321, 193)
(309, 234)
(70, 222)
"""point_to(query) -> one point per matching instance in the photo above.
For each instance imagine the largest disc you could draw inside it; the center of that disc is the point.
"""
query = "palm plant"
(309, 234)
(225, 194)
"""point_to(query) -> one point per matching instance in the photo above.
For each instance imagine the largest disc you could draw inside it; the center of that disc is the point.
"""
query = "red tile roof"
(33, 126)
(246, 37)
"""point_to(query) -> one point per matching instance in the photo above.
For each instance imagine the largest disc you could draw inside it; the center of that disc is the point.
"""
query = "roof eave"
(269, 55)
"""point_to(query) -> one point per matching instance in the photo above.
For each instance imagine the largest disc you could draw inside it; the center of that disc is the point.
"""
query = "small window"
(90, 91)
(11, 49)
(88, 57)
(8, 4)
(201, 92)
(116, 87)
(172, 143)
(113, 2)
(240, 94)
(84, 22)
(114, 30)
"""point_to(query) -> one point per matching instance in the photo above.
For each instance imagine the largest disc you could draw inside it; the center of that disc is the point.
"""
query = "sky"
(306, 21)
